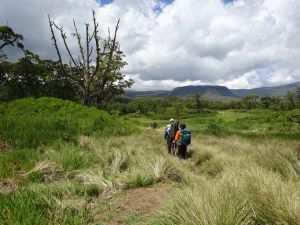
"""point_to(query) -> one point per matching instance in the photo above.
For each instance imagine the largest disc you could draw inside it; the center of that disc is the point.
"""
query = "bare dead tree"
(97, 75)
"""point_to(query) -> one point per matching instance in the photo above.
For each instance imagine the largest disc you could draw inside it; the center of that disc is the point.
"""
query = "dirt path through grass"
(134, 206)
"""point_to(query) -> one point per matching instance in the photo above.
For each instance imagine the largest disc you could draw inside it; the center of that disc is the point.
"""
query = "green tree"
(250, 101)
(98, 75)
(290, 100)
(31, 76)
(198, 104)
(266, 102)
(9, 37)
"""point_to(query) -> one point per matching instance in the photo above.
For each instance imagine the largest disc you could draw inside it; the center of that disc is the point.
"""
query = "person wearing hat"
(167, 135)
(182, 147)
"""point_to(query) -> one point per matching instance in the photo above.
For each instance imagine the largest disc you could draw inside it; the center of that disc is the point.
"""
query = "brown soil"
(141, 203)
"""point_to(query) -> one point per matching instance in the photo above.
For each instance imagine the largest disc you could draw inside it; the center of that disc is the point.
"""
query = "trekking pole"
(174, 149)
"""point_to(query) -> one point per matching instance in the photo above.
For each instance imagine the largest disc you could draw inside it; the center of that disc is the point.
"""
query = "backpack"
(185, 137)
(167, 132)
(173, 130)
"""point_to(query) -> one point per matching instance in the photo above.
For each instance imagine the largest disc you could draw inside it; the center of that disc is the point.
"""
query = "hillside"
(134, 94)
(216, 93)
(208, 92)
(267, 91)
(188, 90)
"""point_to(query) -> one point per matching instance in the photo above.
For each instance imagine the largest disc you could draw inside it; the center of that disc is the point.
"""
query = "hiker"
(168, 133)
(173, 131)
(183, 137)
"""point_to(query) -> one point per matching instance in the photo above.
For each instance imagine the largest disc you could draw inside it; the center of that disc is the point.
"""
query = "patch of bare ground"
(133, 206)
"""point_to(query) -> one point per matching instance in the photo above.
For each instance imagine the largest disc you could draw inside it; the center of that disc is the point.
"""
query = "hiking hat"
(172, 120)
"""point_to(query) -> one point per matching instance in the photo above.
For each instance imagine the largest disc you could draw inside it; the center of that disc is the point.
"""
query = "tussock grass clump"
(45, 171)
(92, 179)
(208, 203)
(13, 162)
(70, 157)
(162, 169)
(120, 162)
(137, 180)
(254, 196)
(284, 163)
(151, 170)
(212, 168)
(202, 157)
(29, 207)
(274, 201)
(17, 209)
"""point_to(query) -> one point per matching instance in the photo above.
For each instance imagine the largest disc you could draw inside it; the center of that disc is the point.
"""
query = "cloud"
(185, 42)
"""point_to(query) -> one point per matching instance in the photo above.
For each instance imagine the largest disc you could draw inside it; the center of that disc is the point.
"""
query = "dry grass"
(233, 180)
(227, 180)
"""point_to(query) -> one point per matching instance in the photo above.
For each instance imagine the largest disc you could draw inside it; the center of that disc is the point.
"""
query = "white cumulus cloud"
(247, 43)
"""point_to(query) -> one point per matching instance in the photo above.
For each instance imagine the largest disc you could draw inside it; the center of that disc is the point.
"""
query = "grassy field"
(62, 163)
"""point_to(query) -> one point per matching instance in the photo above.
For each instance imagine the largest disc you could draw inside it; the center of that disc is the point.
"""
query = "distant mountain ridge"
(267, 91)
(203, 89)
(212, 92)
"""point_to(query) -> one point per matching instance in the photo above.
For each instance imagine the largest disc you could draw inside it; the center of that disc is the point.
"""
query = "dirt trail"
(134, 206)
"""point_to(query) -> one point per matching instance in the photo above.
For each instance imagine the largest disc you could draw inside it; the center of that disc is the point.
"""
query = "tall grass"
(64, 156)
(254, 196)
(29, 123)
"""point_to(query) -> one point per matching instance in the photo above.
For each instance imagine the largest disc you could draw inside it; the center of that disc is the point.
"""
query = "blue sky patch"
(228, 1)
(104, 2)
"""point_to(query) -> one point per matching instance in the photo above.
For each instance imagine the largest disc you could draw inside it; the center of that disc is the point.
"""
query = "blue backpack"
(185, 136)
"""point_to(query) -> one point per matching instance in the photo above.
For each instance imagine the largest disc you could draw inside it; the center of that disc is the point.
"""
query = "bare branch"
(64, 37)
(110, 58)
(79, 42)
(55, 44)
(91, 51)
(97, 39)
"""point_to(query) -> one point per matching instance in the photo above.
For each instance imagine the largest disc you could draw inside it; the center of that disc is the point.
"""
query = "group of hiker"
(178, 137)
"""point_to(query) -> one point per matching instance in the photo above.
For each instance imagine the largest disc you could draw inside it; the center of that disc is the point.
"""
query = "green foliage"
(29, 123)
(9, 37)
(17, 160)
(242, 171)
(97, 84)
(27, 208)
(32, 207)
(32, 77)
(140, 180)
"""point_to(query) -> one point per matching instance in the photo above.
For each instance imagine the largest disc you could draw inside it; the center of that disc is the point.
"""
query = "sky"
(171, 43)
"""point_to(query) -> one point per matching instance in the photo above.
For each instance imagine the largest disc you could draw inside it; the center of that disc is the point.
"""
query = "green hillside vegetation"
(63, 163)
(218, 98)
